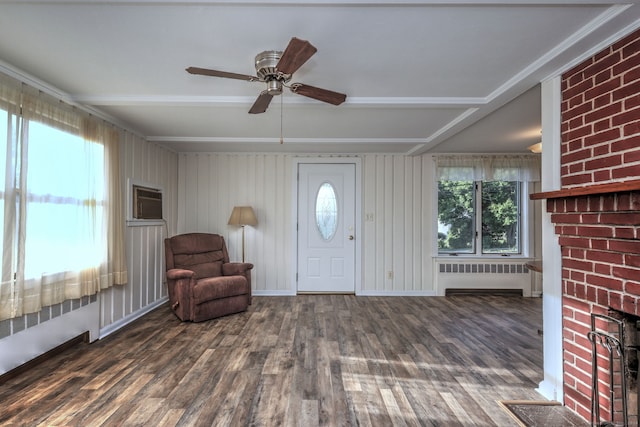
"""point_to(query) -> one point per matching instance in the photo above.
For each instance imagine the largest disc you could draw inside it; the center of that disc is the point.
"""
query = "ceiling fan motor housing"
(266, 70)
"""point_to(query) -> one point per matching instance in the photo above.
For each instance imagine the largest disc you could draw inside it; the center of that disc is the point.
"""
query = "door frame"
(357, 161)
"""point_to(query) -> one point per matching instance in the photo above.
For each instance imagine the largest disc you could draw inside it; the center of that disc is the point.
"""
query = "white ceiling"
(421, 76)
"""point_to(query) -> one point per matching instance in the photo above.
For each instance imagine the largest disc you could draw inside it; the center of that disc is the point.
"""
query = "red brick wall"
(600, 234)
(601, 116)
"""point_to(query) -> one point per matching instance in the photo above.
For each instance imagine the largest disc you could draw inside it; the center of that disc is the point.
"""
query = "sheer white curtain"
(63, 227)
(498, 167)
(114, 269)
(9, 108)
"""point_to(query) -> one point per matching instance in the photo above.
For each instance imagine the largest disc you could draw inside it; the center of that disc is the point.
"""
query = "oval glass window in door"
(326, 211)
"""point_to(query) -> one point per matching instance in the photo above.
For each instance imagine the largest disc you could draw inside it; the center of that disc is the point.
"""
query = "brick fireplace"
(596, 213)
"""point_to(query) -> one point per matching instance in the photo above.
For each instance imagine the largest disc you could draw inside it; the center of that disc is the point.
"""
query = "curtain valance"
(498, 167)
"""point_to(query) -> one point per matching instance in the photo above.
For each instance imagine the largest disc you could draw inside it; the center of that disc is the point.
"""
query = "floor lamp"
(241, 216)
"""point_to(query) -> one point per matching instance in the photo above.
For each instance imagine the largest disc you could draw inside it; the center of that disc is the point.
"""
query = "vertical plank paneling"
(201, 203)
(369, 227)
(428, 222)
(388, 225)
(268, 203)
(407, 261)
(397, 282)
(153, 165)
(379, 266)
(182, 196)
(191, 191)
(416, 232)
(394, 193)
(284, 176)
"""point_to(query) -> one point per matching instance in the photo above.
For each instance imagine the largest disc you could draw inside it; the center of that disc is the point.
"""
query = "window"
(64, 201)
(480, 203)
(60, 212)
(326, 211)
(498, 217)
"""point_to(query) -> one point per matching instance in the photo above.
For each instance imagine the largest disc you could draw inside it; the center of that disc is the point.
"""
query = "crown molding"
(198, 100)
(235, 140)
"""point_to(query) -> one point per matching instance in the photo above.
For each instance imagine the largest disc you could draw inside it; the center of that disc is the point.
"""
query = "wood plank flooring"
(334, 360)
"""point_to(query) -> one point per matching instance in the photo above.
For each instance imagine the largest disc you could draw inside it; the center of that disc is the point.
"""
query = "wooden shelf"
(613, 187)
(534, 265)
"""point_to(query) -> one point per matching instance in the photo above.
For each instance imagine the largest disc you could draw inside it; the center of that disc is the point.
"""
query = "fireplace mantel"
(597, 189)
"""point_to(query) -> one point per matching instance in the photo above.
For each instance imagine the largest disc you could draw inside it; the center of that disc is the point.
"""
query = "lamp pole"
(242, 242)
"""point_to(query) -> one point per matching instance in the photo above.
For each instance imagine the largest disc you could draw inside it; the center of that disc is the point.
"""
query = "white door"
(326, 227)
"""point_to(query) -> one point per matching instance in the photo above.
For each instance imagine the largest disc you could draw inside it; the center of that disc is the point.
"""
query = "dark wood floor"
(309, 360)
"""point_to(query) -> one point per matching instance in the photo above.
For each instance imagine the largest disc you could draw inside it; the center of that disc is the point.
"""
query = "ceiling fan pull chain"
(281, 105)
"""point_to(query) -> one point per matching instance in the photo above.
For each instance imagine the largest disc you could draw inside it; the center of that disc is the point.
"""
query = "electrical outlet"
(390, 275)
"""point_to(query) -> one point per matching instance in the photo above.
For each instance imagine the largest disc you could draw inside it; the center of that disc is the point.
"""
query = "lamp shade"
(243, 215)
(535, 148)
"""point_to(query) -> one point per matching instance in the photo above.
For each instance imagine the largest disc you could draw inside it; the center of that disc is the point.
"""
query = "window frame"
(525, 225)
(26, 195)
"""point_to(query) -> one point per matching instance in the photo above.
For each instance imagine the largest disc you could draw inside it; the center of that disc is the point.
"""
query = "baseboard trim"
(289, 293)
(368, 293)
(280, 293)
(119, 324)
(449, 292)
(82, 338)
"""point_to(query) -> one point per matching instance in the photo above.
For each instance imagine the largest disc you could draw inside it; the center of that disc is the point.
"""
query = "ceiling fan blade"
(323, 95)
(261, 104)
(216, 73)
(297, 53)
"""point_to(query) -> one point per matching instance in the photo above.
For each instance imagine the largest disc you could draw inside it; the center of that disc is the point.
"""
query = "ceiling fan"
(276, 68)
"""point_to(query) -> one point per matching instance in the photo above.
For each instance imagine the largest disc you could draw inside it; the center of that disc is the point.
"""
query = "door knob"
(351, 237)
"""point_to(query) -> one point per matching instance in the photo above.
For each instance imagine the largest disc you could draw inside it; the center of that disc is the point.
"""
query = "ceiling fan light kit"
(275, 68)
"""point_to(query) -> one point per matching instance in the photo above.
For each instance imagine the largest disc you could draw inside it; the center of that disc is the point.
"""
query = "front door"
(326, 227)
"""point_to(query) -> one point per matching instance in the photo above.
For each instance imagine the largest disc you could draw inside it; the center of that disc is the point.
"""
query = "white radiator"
(481, 276)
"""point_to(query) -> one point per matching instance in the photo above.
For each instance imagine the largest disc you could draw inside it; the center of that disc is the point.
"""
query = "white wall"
(397, 196)
(397, 220)
(395, 193)
(147, 163)
(211, 184)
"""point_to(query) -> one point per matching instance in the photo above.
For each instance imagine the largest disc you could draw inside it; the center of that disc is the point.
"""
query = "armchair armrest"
(178, 273)
(239, 269)
(235, 268)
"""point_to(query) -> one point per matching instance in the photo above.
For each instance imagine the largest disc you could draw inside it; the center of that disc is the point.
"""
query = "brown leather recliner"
(202, 283)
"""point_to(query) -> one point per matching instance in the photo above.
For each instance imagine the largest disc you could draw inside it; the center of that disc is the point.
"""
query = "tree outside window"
(498, 216)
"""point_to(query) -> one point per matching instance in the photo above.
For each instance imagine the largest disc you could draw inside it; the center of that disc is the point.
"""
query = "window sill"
(483, 257)
(145, 222)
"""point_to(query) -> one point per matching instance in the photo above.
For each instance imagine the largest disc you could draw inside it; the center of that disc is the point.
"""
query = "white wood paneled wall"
(397, 210)
(211, 184)
(149, 163)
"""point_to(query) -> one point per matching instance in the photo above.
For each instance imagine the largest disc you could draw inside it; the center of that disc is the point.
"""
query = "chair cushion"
(219, 287)
(205, 264)
(196, 243)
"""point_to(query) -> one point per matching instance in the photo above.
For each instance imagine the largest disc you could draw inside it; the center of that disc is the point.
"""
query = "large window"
(493, 228)
(65, 202)
(60, 218)
(480, 202)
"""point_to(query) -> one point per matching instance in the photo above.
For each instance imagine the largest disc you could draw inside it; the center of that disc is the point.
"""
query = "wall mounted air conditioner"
(146, 202)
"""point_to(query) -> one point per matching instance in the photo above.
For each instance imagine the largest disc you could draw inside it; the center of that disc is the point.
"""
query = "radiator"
(482, 276)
